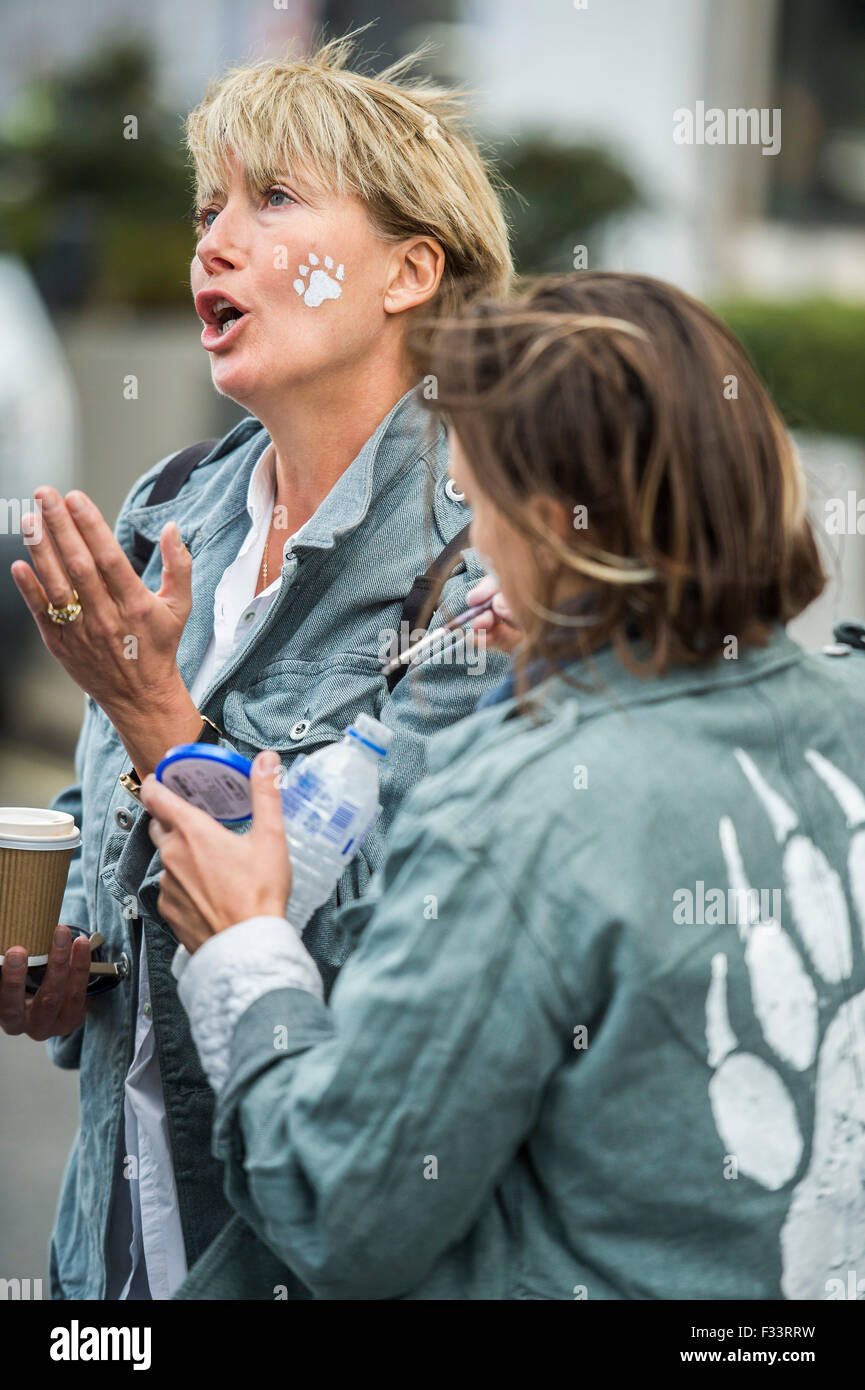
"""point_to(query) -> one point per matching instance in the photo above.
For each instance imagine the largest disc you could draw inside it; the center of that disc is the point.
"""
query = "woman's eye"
(278, 193)
(201, 217)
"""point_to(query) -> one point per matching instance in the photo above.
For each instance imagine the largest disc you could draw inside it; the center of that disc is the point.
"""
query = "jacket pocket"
(298, 706)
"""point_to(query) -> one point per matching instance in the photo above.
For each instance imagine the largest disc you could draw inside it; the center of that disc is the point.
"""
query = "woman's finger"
(484, 589)
(78, 566)
(492, 617)
(74, 1005)
(28, 586)
(500, 632)
(158, 833)
(175, 906)
(13, 997)
(108, 555)
(45, 560)
(501, 609)
(176, 586)
(49, 997)
(266, 793)
(167, 903)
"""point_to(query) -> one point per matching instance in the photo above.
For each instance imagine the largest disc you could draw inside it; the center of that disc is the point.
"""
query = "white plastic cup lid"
(43, 829)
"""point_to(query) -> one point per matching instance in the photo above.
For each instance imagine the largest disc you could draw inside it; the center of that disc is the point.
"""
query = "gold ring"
(67, 612)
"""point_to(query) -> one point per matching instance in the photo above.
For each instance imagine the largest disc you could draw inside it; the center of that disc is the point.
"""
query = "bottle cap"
(372, 732)
(214, 779)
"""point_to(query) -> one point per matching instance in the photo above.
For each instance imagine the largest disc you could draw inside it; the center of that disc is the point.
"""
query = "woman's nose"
(222, 243)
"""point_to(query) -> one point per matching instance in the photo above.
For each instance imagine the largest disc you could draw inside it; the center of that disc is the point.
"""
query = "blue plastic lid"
(214, 779)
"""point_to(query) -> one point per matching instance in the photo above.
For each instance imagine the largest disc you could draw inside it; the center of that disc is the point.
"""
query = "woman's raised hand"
(122, 649)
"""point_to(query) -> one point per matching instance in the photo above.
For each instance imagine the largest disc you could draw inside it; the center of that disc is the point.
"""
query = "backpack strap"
(432, 581)
(852, 634)
(167, 485)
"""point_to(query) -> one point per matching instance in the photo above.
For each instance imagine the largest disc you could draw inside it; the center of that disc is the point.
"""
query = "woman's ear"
(415, 274)
(552, 514)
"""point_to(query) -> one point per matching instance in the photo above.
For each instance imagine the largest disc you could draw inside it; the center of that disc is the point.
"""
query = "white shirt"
(236, 606)
(157, 1255)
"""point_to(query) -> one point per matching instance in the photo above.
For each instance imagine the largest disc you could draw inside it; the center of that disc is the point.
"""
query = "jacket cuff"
(230, 972)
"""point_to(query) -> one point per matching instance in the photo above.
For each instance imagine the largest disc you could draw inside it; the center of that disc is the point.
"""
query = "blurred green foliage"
(100, 218)
(562, 193)
(811, 354)
(77, 192)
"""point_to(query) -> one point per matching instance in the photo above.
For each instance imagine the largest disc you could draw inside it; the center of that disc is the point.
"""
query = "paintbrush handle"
(430, 638)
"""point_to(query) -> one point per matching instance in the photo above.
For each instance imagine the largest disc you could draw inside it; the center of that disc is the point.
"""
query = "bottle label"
(340, 821)
(309, 807)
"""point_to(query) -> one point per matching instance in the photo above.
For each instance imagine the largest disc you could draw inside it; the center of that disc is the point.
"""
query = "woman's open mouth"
(222, 320)
(217, 335)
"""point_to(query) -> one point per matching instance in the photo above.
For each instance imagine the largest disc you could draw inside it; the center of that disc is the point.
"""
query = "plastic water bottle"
(329, 803)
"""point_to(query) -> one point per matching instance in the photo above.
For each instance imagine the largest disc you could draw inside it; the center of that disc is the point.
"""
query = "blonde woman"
(332, 209)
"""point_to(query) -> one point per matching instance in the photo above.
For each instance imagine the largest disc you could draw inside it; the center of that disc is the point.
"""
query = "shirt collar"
(262, 484)
(406, 433)
(403, 436)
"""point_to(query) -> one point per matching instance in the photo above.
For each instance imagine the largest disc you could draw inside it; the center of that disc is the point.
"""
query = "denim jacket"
(602, 1035)
(305, 671)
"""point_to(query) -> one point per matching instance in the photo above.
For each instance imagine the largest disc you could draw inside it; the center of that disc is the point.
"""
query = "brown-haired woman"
(603, 1031)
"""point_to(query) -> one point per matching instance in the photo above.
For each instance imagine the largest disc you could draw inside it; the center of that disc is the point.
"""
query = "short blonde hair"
(400, 146)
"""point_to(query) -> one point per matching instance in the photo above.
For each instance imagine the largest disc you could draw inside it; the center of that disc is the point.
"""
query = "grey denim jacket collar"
(606, 685)
(206, 513)
(214, 520)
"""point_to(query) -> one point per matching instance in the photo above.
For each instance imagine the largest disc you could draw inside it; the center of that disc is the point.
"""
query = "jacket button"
(299, 729)
(148, 1010)
(124, 818)
(451, 492)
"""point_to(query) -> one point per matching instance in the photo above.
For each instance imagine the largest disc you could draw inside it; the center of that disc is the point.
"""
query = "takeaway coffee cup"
(36, 849)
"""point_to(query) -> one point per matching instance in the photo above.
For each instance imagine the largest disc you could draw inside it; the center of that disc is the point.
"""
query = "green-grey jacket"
(305, 671)
(603, 1032)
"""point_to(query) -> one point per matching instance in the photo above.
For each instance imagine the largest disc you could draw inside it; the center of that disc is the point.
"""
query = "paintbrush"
(450, 629)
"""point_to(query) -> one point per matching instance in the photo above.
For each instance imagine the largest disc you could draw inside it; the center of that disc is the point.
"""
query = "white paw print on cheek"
(320, 284)
(751, 1105)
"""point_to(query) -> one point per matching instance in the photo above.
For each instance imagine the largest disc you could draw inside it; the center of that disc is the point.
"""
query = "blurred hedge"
(98, 218)
(811, 354)
(558, 197)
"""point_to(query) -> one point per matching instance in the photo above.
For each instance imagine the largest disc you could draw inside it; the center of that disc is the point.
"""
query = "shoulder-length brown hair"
(633, 405)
